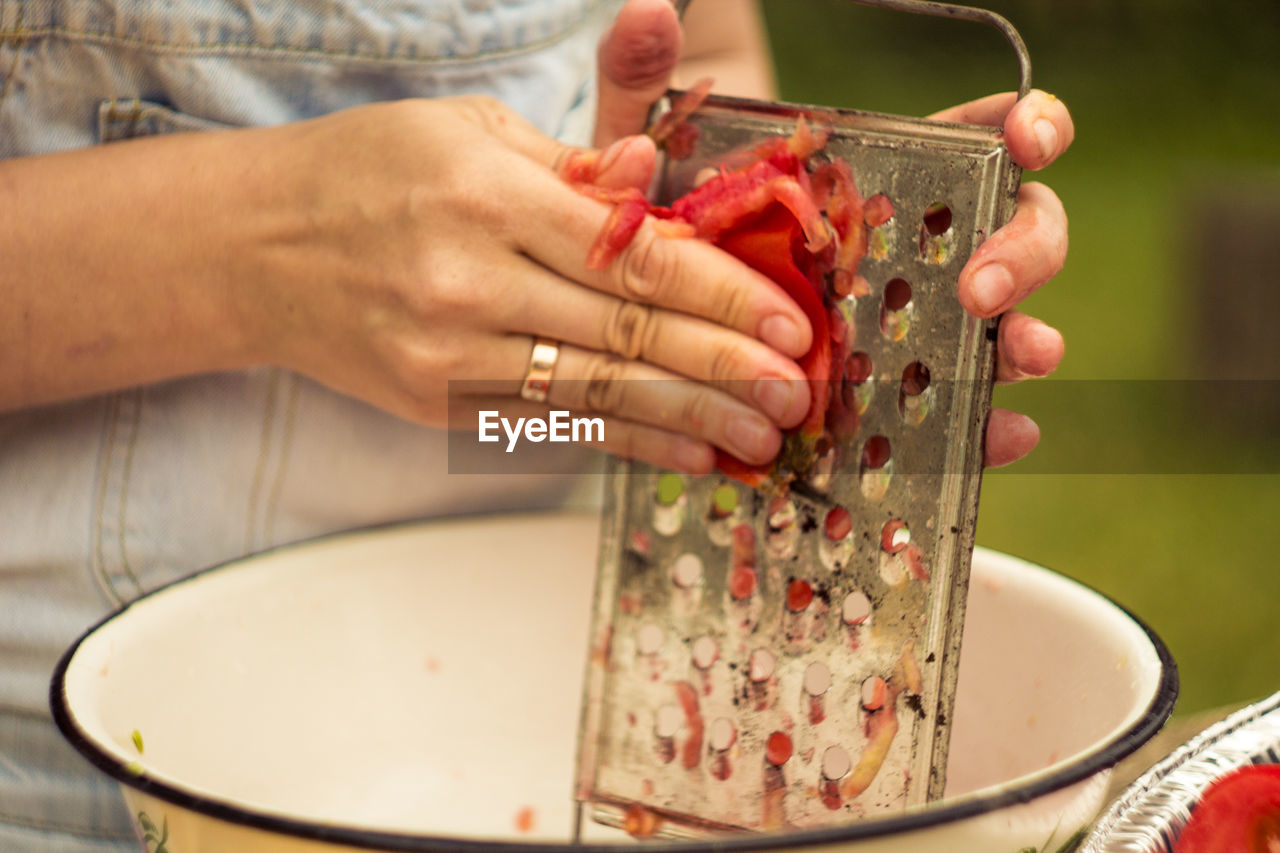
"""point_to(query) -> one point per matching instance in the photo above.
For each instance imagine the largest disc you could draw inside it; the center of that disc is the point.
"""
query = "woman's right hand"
(390, 250)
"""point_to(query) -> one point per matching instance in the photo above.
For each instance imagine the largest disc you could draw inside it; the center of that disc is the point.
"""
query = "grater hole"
(705, 652)
(667, 721)
(760, 666)
(896, 309)
(670, 489)
(724, 500)
(817, 679)
(723, 734)
(838, 524)
(669, 503)
(856, 608)
(915, 379)
(875, 472)
(782, 529)
(742, 582)
(937, 219)
(778, 749)
(824, 466)
(858, 368)
(782, 514)
(836, 763)
(799, 595)
(936, 234)
(686, 571)
(915, 393)
(857, 391)
(877, 214)
(875, 453)
(894, 536)
(897, 294)
(649, 639)
(874, 692)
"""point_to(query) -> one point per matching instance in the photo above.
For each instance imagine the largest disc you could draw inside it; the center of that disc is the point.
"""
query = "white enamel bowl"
(417, 688)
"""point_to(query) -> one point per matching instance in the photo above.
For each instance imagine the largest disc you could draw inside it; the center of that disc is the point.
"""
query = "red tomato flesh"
(803, 230)
(1238, 813)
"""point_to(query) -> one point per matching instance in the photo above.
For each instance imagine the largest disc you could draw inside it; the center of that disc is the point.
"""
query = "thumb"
(636, 59)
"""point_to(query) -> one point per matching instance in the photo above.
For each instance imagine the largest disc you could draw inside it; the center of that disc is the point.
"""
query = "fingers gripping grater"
(769, 661)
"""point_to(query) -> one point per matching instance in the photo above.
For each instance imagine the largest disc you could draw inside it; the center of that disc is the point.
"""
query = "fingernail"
(992, 287)
(1041, 337)
(1046, 138)
(750, 438)
(783, 334)
(610, 155)
(773, 396)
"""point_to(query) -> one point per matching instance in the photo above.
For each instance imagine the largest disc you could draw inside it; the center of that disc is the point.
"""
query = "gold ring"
(537, 379)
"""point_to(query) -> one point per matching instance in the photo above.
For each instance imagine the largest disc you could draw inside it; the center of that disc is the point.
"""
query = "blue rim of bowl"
(968, 806)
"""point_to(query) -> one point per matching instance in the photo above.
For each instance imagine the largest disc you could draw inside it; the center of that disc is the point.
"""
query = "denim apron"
(105, 498)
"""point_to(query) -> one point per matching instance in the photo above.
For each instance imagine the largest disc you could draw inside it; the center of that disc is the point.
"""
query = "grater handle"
(951, 10)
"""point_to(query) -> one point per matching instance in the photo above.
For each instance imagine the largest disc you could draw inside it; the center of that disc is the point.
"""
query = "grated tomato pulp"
(801, 223)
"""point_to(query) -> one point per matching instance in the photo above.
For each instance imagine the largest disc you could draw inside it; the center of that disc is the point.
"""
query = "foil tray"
(1149, 815)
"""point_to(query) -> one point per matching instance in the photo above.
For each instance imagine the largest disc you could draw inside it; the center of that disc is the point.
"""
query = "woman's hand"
(1020, 257)
(388, 251)
(409, 254)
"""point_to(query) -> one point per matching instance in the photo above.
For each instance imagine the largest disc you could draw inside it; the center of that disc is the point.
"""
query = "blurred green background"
(1157, 480)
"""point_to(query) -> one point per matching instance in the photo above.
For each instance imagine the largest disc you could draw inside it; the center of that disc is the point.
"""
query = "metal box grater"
(769, 661)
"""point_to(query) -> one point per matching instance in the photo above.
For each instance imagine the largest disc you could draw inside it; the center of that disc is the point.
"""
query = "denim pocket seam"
(128, 118)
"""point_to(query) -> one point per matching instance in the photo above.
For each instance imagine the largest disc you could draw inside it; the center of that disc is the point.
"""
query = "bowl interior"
(426, 679)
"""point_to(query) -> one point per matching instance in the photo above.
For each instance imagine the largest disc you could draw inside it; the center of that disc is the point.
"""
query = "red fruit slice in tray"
(1238, 813)
(803, 229)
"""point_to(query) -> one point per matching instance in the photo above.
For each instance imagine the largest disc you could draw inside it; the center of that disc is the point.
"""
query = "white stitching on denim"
(98, 564)
(107, 489)
(126, 476)
(251, 542)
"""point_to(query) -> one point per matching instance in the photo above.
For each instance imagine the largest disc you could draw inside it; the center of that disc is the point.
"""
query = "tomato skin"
(629, 211)
(673, 131)
(1238, 813)
(773, 245)
(730, 199)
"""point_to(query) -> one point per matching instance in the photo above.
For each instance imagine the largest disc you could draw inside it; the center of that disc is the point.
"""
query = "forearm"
(119, 267)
